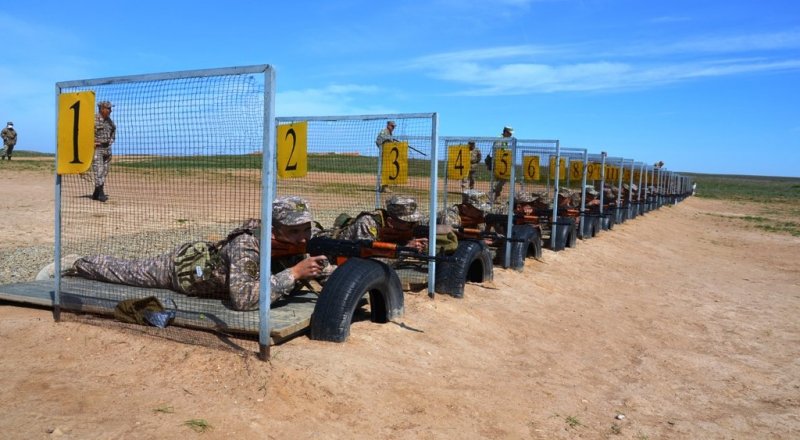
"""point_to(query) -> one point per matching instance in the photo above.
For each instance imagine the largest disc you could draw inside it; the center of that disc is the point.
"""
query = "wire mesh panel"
(357, 164)
(185, 170)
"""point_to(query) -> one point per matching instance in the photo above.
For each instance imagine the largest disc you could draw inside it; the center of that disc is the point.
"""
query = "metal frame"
(434, 173)
(268, 150)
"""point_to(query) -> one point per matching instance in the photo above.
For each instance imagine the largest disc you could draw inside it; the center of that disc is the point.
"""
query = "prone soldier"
(227, 269)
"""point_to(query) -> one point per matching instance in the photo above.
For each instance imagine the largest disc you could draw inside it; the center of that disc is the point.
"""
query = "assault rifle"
(475, 233)
(341, 250)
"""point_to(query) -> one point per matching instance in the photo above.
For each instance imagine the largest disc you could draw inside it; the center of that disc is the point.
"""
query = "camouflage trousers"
(470, 178)
(7, 150)
(100, 164)
(497, 189)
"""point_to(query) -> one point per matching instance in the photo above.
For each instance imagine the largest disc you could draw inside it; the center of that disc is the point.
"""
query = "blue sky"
(706, 86)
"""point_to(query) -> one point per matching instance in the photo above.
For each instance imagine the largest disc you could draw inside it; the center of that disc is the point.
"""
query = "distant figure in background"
(384, 136)
(474, 160)
(105, 132)
(498, 184)
(9, 136)
(694, 188)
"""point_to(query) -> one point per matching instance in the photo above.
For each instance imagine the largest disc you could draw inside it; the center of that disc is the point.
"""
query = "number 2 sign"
(292, 150)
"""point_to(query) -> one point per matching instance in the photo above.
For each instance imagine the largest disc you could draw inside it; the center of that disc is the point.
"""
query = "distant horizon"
(684, 173)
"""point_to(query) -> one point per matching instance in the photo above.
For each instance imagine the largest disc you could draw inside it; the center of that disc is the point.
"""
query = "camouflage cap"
(509, 129)
(523, 197)
(290, 211)
(476, 199)
(10, 123)
(105, 104)
(404, 208)
(590, 191)
(449, 216)
(564, 192)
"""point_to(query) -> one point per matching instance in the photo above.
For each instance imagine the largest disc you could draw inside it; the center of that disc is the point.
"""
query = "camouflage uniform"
(475, 199)
(474, 160)
(498, 184)
(229, 270)
(9, 136)
(368, 225)
(105, 133)
(383, 137)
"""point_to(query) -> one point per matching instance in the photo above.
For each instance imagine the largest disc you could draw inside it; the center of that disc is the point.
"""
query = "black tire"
(343, 292)
(473, 263)
(536, 244)
(572, 238)
(523, 246)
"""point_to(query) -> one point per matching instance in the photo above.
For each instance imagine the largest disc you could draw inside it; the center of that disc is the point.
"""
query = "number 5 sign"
(75, 145)
(292, 150)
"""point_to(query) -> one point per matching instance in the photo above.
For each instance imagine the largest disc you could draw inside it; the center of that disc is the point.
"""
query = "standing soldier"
(474, 160)
(498, 184)
(9, 140)
(383, 137)
(105, 132)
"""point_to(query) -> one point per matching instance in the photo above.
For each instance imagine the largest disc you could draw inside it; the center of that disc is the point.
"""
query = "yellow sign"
(562, 168)
(612, 173)
(626, 175)
(575, 170)
(637, 176)
(530, 168)
(75, 132)
(593, 171)
(458, 161)
(394, 163)
(502, 163)
(292, 149)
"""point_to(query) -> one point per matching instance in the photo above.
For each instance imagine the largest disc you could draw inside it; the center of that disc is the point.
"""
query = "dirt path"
(685, 324)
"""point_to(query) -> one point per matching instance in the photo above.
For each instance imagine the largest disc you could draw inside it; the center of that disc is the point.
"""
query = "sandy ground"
(684, 323)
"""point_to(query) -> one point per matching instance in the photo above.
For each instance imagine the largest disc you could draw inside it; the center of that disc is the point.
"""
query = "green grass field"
(776, 199)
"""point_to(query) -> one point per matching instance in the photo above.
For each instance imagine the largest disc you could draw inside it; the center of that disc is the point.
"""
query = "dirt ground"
(676, 324)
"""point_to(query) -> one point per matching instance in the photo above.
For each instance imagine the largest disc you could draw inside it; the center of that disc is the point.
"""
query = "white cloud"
(523, 69)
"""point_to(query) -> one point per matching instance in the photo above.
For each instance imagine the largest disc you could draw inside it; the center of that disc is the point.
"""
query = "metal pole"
(432, 207)
(268, 169)
(555, 197)
(510, 216)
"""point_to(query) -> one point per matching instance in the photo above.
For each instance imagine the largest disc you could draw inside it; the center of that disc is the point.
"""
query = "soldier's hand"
(310, 267)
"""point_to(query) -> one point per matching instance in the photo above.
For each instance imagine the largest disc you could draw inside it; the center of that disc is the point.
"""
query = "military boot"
(99, 194)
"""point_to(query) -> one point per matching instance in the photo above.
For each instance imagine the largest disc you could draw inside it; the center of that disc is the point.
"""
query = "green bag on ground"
(134, 311)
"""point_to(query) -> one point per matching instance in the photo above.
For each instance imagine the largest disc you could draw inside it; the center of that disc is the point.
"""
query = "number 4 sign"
(75, 145)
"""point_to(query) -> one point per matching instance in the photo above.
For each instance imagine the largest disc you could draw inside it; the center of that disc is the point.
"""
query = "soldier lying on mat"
(227, 269)
(395, 224)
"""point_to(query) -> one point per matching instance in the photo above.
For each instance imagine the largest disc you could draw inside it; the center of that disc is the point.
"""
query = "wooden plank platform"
(288, 318)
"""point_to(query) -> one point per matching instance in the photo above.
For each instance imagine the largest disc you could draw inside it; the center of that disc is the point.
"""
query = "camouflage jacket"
(383, 137)
(105, 131)
(9, 136)
(475, 157)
